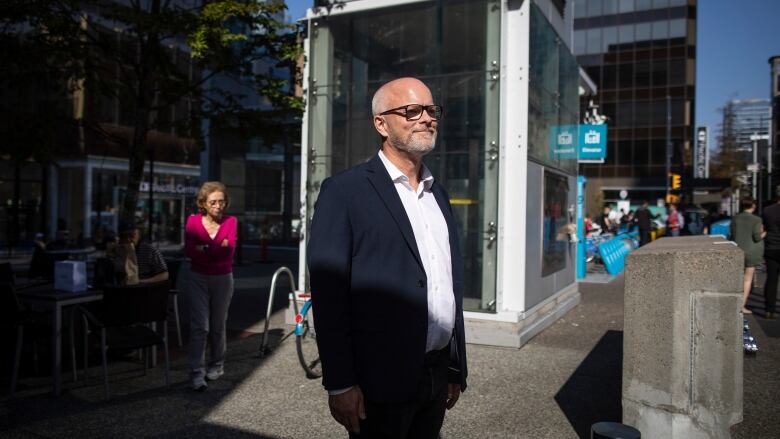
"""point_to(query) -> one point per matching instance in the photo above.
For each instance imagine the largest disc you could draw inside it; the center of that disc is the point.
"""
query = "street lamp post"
(754, 167)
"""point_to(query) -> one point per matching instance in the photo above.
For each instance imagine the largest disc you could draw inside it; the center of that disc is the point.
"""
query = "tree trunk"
(148, 52)
(135, 172)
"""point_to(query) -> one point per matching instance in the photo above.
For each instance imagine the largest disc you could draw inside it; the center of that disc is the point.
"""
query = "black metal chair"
(104, 274)
(7, 273)
(174, 266)
(122, 316)
(14, 315)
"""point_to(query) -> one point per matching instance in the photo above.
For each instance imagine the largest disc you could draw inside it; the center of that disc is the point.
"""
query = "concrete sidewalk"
(556, 386)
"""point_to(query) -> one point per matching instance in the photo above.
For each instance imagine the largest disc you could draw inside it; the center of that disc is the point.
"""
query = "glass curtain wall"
(454, 48)
(553, 92)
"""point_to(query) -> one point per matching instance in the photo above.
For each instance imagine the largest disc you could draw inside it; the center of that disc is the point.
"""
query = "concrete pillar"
(682, 348)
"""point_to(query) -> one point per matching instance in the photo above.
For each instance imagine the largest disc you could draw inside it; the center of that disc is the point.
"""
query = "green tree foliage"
(728, 161)
(149, 56)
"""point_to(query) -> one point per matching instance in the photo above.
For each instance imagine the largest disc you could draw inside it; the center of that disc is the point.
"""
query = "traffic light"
(672, 199)
(676, 181)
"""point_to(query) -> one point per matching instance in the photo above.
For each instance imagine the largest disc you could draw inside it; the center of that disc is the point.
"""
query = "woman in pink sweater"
(209, 241)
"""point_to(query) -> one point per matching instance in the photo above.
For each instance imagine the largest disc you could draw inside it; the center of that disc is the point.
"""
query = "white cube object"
(70, 276)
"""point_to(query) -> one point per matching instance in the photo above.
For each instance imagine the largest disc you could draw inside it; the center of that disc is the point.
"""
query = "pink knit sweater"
(213, 259)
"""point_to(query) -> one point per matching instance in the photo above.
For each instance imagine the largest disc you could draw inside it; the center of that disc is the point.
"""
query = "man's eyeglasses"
(415, 111)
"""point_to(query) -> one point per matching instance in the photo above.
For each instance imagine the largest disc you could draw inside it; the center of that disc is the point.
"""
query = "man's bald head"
(398, 92)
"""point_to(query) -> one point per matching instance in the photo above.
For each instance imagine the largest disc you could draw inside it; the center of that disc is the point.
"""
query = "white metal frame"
(358, 6)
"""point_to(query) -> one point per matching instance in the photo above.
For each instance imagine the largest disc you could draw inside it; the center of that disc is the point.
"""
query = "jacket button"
(420, 283)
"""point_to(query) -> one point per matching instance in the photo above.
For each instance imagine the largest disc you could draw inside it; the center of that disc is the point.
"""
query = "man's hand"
(453, 393)
(347, 408)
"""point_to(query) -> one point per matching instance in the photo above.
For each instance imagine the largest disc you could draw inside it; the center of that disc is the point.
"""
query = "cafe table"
(46, 297)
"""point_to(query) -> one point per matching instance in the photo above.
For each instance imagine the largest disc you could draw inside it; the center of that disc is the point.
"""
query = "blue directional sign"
(592, 144)
(586, 143)
(563, 142)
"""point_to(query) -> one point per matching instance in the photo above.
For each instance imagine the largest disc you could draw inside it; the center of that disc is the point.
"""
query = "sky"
(735, 39)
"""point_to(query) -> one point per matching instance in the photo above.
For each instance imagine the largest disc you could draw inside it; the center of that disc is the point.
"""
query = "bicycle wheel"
(308, 355)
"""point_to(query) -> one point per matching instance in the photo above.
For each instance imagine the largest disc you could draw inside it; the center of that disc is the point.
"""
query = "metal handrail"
(291, 278)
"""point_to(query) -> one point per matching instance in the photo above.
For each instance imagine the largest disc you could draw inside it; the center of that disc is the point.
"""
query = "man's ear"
(381, 125)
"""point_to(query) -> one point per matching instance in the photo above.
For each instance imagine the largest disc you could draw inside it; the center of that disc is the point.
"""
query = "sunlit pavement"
(556, 386)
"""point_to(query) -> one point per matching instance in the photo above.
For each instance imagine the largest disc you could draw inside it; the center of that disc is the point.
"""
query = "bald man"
(387, 280)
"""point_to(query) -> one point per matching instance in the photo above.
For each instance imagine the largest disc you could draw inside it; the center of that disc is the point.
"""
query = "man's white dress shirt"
(433, 243)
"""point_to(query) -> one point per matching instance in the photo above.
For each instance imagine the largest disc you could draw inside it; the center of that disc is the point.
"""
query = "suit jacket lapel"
(380, 180)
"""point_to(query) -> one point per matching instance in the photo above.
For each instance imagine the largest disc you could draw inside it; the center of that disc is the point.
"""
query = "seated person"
(151, 266)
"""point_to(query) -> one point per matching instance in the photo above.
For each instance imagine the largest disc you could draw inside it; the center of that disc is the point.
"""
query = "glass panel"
(555, 240)
(553, 97)
(610, 7)
(643, 32)
(642, 73)
(579, 42)
(660, 30)
(673, 3)
(626, 33)
(580, 9)
(677, 72)
(352, 55)
(677, 28)
(594, 41)
(594, 8)
(609, 38)
(660, 4)
(626, 6)
(642, 5)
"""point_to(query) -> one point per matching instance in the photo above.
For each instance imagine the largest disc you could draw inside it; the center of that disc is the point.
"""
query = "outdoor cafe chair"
(14, 315)
(122, 317)
(174, 266)
(7, 273)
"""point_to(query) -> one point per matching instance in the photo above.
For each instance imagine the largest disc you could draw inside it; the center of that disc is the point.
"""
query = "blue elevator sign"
(586, 143)
(592, 145)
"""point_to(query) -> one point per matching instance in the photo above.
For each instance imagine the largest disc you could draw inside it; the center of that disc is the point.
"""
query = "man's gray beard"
(414, 145)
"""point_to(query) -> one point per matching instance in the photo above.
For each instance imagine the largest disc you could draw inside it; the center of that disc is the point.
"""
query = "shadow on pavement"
(213, 431)
(593, 392)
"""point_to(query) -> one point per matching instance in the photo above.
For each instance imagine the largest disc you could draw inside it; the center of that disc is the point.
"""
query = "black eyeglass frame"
(425, 108)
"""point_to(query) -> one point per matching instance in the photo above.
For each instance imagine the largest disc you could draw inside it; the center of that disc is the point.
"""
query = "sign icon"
(592, 137)
(565, 138)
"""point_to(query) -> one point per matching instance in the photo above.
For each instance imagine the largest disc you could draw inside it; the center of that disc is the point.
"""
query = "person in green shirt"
(748, 232)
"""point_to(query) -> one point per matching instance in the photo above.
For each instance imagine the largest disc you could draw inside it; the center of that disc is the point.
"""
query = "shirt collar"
(396, 175)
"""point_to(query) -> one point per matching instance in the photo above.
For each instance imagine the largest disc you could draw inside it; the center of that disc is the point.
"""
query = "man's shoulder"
(344, 179)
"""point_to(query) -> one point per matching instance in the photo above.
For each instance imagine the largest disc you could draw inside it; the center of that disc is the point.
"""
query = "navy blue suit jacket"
(369, 288)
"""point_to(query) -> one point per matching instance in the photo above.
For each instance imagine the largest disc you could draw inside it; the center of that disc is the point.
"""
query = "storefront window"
(19, 226)
(453, 47)
(173, 199)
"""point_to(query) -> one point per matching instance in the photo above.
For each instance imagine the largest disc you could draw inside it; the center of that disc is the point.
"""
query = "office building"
(642, 56)
(774, 93)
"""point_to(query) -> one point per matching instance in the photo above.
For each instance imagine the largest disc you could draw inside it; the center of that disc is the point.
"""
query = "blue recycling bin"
(722, 227)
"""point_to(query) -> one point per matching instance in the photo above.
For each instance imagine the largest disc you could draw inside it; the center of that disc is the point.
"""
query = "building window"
(677, 28)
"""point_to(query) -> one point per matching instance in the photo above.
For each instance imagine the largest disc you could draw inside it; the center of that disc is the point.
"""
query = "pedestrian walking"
(210, 242)
(771, 218)
(387, 280)
(674, 221)
(748, 232)
(643, 219)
